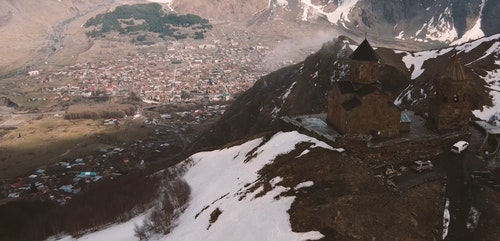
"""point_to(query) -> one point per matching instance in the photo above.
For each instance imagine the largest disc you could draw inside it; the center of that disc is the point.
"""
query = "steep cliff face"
(449, 21)
(489, 20)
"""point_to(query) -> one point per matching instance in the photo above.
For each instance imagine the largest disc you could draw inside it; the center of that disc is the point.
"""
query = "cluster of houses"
(59, 182)
(170, 73)
(194, 116)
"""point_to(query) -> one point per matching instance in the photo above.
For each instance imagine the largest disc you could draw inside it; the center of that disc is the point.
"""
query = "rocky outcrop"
(4, 101)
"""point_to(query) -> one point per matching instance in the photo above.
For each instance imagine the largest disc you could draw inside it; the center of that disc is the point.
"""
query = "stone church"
(449, 108)
(358, 106)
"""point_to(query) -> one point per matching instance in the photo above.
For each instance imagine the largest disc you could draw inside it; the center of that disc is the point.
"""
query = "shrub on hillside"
(173, 198)
(106, 202)
(99, 111)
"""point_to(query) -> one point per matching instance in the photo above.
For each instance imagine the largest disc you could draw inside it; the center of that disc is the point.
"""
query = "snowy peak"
(448, 21)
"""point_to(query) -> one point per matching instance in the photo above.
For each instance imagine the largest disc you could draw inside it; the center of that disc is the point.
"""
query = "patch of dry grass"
(46, 141)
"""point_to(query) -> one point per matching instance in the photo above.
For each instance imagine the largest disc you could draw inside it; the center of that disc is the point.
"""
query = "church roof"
(364, 52)
(454, 70)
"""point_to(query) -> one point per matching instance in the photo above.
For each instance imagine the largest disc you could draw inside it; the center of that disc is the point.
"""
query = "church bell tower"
(449, 109)
(364, 64)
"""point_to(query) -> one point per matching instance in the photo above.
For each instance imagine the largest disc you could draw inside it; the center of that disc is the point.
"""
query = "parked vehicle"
(459, 147)
(421, 166)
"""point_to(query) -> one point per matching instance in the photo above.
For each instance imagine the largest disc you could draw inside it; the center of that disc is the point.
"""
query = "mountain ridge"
(302, 88)
(449, 21)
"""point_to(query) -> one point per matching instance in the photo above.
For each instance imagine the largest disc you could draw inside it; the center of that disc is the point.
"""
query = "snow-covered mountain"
(449, 21)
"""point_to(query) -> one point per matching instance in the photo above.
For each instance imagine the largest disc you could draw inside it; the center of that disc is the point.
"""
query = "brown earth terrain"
(349, 202)
(41, 142)
(27, 39)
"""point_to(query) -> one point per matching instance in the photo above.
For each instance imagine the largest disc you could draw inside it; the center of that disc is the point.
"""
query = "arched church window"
(362, 70)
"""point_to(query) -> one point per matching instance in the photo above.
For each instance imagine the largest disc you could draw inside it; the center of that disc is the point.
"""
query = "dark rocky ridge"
(308, 83)
(476, 65)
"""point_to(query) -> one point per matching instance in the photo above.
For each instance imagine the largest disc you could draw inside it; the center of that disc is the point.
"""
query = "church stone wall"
(401, 151)
(375, 116)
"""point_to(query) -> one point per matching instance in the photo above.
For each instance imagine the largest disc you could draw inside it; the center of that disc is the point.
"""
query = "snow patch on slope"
(475, 32)
(282, 3)
(341, 13)
(122, 231)
(168, 2)
(226, 180)
(446, 219)
(443, 28)
(304, 184)
(222, 178)
(492, 79)
(492, 113)
(474, 44)
(276, 110)
(415, 61)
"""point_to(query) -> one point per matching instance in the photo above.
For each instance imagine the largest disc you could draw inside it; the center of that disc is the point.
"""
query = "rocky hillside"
(287, 186)
(302, 88)
(4, 101)
(482, 63)
(423, 20)
(30, 28)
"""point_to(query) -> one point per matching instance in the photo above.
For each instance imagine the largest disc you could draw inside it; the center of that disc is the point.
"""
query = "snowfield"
(492, 113)
(228, 180)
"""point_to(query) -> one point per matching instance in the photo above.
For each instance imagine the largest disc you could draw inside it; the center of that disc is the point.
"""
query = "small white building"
(34, 73)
